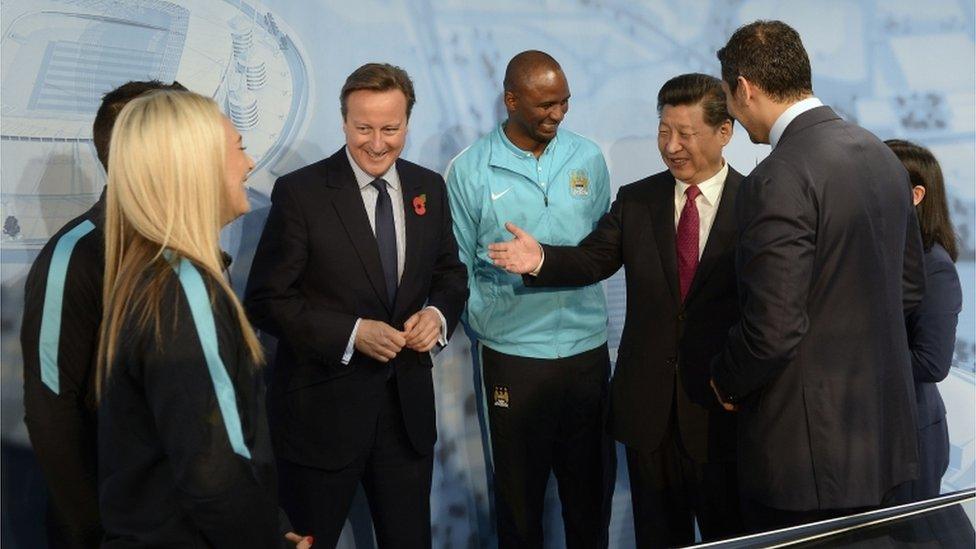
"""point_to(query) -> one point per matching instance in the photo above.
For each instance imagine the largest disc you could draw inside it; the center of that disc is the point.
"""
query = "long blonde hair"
(165, 191)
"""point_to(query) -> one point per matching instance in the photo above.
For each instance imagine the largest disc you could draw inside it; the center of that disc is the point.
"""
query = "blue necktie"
(386, 237)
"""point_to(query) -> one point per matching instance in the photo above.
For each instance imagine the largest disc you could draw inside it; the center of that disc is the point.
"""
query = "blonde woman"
(184, 452)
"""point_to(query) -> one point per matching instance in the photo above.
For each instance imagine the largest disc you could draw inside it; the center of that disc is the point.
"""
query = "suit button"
(681, 317)
(672, 362)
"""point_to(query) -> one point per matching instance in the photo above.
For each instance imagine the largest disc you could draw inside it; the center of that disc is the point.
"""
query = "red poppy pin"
(420, 204)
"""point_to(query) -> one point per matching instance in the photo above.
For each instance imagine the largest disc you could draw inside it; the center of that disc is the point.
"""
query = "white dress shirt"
(796, 109)
(707, 202)
(370, 195)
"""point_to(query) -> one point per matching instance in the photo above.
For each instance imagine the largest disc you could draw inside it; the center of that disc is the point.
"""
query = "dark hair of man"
(770, 55)
(933, 210)
(112, 104)
(692, 89)
(378, 77)
(524, 65)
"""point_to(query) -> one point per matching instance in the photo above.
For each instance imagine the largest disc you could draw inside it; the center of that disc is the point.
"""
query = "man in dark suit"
(829, 259)
(674, 233)
(358, 277)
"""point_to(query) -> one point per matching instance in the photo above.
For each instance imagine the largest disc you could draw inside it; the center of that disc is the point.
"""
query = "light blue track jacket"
(558, 198)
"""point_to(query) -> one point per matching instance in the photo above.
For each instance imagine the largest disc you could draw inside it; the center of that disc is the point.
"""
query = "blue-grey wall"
(899, 68)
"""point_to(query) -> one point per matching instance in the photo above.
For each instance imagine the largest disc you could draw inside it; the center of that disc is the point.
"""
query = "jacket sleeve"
(597, 256)
(449, 278)
(61, 424)
(602, 180)
(193, 411)
(464, 201)
(932, 326)
(272, 297)
(774, 262)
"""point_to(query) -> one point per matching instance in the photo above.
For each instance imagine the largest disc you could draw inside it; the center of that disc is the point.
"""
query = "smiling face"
(691, 149)
(375, 128)
(536, 109)
(237, 166)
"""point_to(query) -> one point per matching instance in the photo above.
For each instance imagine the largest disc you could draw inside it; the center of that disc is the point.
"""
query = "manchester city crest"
(579, 183)
(500, 396)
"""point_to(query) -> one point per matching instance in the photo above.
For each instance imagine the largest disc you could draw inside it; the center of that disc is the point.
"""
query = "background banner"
(276, 69)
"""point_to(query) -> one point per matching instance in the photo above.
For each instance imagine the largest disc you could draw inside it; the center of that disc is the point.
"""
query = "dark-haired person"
(829, 260)
(59, 341)
(932, 326)
(543, 351)
(674, 233)
(357, 275)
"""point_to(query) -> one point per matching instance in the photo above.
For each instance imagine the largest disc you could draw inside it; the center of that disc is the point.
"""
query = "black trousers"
(669, 491)
(395, 478)
(548, 416)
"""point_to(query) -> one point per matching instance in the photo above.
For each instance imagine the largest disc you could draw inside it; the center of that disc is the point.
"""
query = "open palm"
(519, 255)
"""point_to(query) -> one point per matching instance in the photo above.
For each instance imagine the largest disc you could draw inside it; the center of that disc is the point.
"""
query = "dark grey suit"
(316, 270)
(659, 396)
(829, 259)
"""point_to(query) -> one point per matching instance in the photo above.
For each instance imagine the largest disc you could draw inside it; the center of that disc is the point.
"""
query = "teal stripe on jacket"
(57, 274)
(199, 301)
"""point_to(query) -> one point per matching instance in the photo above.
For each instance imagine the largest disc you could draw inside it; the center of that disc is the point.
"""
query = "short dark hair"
(692, 89)
(769, 54)
(378, 77)
(933, 211)
(112, 103)
(524, 65)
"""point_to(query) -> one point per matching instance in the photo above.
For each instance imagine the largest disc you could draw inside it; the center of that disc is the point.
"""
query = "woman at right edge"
(932, 325)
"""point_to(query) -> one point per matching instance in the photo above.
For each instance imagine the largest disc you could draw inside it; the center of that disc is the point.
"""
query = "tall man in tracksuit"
(543, 350)
(59, 341)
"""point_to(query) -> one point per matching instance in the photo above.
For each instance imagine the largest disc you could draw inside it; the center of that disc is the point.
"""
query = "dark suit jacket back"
(662, 337)
(316, 270)
(829, 257)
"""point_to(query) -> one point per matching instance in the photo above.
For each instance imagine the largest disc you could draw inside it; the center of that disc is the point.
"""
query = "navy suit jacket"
(829, 260)
(932, 333)
(316, 270)
(663, 338)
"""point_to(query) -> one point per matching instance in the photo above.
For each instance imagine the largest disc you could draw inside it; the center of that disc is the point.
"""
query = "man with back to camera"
(358, 277)
(543, 351)
(59, 342)
(674, 233)
(829, 259)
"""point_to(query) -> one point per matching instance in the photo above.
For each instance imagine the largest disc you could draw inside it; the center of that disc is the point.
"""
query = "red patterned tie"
(686, 240)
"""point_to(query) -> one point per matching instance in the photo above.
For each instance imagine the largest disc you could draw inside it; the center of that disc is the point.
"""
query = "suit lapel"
(662, 219)
(721, 235)
(411, 186)
(348, 204)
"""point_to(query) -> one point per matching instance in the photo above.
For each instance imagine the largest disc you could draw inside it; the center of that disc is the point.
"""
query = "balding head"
(536, 98)
(526, 66)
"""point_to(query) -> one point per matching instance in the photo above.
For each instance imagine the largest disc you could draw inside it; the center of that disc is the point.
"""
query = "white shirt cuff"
(542, 252)
(351, 346)
(442, 339)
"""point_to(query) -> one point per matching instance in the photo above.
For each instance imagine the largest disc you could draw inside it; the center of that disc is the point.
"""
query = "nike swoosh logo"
(495, 196)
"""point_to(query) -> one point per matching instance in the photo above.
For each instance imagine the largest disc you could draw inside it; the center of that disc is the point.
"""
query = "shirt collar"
(796, 109)
(523, 153)
(363, 179)
(710, 188)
